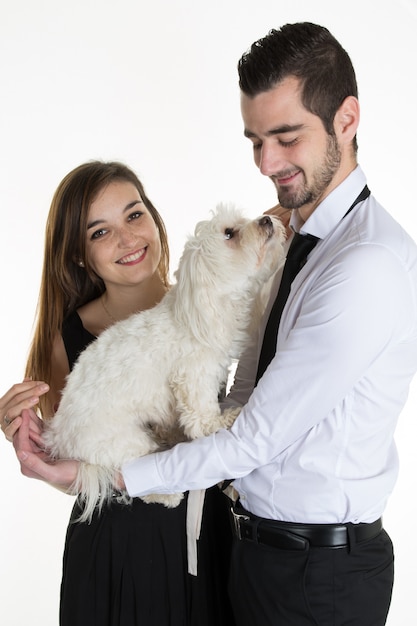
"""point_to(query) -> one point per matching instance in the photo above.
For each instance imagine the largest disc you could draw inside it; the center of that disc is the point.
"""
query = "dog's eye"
(229, 233)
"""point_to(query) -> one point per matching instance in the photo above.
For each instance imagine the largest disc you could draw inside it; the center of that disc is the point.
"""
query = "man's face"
(291, 146)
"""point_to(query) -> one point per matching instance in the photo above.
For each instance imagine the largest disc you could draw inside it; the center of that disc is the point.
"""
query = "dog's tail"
(94, 486)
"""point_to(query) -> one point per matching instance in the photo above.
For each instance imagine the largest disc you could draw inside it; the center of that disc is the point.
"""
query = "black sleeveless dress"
(128, 567)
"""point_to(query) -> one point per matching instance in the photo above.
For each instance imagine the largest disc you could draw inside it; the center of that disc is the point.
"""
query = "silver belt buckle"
(237, 517)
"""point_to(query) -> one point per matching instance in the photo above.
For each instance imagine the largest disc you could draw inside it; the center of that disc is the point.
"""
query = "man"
(312, 452)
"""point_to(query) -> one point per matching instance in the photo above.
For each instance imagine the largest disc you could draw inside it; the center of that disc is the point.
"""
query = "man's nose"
(271, 160)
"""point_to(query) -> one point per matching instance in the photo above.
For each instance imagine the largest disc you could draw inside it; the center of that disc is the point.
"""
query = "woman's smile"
(133, 257)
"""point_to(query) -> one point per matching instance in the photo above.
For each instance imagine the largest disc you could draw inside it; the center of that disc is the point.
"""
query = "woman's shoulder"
(91, 317)
(75, 336)
(72, 322)
(73, 325)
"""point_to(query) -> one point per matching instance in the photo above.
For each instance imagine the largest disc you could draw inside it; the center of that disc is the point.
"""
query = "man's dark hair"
(310, 53)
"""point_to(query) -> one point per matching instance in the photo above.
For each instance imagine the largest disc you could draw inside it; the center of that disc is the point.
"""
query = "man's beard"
(321, 178)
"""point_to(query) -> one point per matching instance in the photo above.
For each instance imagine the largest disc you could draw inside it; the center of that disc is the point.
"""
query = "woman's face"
(123, 245)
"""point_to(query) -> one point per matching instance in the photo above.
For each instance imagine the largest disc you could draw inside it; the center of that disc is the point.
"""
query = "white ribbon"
(195, 504)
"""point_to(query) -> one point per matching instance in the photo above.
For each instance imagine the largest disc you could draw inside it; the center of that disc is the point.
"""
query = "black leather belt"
(292, 536)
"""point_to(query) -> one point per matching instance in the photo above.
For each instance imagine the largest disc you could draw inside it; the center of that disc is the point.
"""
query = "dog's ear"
(194, 285)
(199, 228)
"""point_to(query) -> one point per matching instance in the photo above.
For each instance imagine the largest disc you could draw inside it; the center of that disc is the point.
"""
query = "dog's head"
(231, 250)
(226, 261)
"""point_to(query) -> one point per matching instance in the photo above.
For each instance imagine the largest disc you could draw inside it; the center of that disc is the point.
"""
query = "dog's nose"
(265, 220)
(267, 225)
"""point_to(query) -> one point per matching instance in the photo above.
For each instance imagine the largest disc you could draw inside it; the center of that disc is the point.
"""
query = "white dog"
(163, 368)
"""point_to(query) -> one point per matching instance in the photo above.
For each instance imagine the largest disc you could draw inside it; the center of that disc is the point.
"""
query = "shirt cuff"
(141, 476)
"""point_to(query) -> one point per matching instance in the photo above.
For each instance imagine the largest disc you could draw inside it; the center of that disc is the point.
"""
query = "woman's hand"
(21, 396)
(35, 461)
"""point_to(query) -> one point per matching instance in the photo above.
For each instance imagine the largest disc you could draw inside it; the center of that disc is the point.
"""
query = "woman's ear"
(346, 120)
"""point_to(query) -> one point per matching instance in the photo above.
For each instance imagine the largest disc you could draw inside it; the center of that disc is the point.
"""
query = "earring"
(81, 263)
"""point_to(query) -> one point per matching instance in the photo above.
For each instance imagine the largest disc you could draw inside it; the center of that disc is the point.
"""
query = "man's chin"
(292, 202)
(289, 198)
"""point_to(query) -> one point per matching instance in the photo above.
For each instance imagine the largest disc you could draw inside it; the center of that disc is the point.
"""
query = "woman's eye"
(98, 233)
(228, 233)
(134, 216)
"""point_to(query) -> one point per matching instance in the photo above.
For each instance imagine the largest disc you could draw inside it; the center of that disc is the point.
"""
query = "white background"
(154, 84)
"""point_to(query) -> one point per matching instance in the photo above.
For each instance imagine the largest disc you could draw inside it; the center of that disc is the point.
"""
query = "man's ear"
(346, 120)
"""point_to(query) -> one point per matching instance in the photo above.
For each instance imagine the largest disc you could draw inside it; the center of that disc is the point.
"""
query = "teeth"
(131, 257)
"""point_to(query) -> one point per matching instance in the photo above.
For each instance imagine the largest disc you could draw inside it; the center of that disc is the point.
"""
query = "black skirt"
(128, 567)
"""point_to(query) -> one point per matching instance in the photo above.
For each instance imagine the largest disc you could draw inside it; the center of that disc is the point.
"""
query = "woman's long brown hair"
(65, 286)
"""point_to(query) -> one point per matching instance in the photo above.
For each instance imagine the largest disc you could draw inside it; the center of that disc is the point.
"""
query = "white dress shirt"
(314, 441)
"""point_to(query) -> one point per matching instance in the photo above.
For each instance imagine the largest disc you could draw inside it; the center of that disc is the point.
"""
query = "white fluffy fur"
(163, 368)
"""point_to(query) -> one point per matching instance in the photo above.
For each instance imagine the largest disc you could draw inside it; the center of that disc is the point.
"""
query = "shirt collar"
(333, 208)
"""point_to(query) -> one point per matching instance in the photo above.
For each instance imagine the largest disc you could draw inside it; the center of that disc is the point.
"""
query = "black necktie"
(298, 251)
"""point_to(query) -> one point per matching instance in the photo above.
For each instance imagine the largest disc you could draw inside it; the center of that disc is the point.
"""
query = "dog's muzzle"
(265, 222)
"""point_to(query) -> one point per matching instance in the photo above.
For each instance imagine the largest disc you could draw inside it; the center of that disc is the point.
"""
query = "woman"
(106, 257)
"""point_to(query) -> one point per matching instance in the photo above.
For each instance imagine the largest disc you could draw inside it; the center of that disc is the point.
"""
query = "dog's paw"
(229, 416)
(169, 500)
(208, 426)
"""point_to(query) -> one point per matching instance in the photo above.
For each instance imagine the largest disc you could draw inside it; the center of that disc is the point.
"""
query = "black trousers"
(320, 586)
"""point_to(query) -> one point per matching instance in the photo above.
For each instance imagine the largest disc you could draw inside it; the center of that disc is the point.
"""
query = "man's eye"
(288, 144)
(229, 233)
